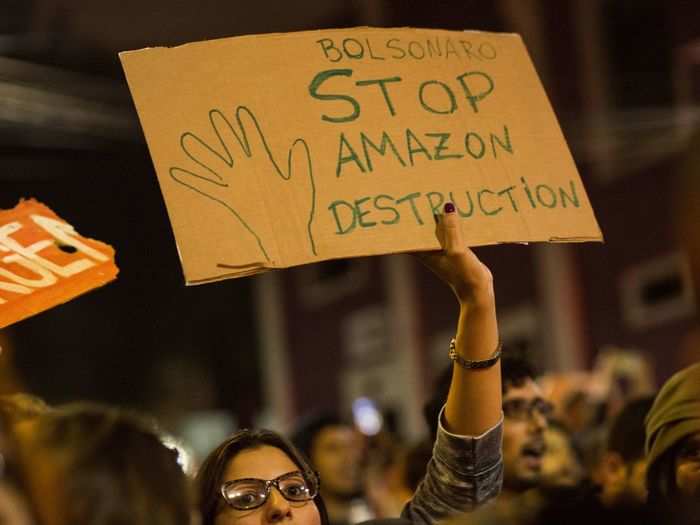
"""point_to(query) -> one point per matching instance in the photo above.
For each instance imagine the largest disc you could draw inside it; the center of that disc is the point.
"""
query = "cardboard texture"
(286, 149)
(44, 262)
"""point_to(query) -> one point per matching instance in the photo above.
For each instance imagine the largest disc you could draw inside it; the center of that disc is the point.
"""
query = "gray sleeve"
(464, 473)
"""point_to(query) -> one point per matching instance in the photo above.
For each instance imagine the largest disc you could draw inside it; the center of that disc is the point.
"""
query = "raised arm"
(474, 401)
(466, 469)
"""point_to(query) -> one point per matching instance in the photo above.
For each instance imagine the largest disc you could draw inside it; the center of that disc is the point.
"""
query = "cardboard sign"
(286, 149)
(44, 262)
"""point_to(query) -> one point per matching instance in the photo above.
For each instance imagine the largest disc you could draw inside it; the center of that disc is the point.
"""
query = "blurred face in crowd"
(636, 487)
(688, 468)
(526, 412)
(337, 454)
(266, 463)
(622, 482)
(560, 465)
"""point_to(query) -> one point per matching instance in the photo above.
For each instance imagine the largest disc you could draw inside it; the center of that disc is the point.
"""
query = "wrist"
(473, 364)
(477, 299)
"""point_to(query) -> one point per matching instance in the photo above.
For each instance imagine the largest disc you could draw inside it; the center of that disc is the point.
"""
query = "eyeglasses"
(521, 409)
(251, 493)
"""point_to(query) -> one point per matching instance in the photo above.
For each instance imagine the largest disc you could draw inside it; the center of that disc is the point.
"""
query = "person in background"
(390, 484)
(88, 464)
(258, 478)
(526, 413)
(561, 464)
(336, 451)
(622, 470)
(618, 498)
(673, 447)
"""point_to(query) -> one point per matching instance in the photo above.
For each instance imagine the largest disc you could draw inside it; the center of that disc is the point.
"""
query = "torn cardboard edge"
(334, 30)
(255, 269)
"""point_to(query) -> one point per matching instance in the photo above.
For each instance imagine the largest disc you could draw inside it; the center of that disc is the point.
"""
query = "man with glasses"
(525, 411)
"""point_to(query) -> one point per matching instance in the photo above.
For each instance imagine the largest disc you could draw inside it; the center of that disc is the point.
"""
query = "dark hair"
(515, 369)
(417, 459)
(431, 409)
(210, 476)
(661, 482)
(114, 467)
(663, 496)
(21, 406)
(309, 428)
(627, 431)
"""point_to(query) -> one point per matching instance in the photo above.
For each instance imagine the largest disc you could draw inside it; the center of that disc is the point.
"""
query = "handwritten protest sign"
(44, 262)
(286, 149)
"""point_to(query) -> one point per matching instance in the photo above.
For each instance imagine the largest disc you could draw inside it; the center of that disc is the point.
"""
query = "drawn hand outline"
(216, 187)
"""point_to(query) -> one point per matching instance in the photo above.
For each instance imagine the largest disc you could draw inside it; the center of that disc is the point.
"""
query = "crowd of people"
(503, 446)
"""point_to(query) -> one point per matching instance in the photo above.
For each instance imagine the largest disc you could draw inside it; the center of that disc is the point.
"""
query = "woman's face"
(688, 468)
(266, 462)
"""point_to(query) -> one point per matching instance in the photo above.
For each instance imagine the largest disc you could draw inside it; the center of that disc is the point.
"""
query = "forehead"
(265, 462)
(526, 390)
(336, 434)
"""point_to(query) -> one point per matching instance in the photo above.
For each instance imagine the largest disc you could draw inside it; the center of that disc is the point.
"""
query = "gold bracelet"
(473, 365)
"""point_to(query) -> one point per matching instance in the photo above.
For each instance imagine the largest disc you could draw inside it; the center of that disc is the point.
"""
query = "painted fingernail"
(449, 207)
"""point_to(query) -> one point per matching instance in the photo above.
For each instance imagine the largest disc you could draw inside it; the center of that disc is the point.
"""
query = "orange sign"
(44, 262)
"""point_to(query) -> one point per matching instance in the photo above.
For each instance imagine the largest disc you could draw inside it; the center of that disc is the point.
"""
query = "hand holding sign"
(474, 399)
(456, 264)
(217, 172)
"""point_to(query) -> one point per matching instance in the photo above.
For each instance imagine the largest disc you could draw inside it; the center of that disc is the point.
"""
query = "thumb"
(451, 231)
